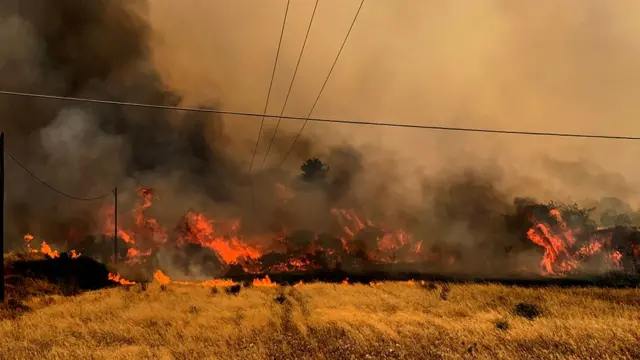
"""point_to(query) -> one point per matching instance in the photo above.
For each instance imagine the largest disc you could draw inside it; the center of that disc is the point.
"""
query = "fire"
(46, 248)
(120, 280)
(200, 230)
(224, 239)
(389, 243)
(266, 282)
(163, 279)
(145, 234)
(563, 253)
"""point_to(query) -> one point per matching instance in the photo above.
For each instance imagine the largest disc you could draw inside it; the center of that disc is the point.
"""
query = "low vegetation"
(389, 320)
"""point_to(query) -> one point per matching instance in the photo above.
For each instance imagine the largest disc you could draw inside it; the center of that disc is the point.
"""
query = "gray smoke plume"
(100, 49)
(95, 49)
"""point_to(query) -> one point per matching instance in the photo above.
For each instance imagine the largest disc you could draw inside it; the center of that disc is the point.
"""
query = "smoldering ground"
(114, 50)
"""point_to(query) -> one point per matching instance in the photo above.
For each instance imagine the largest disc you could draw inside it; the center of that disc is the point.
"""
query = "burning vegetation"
(337, 217)
(562, 239)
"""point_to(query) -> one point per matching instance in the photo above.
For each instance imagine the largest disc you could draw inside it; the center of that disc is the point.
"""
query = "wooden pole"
(2, 216)
(115, 225)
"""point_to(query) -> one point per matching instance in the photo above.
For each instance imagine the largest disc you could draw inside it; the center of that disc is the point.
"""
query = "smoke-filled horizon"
(563, 67)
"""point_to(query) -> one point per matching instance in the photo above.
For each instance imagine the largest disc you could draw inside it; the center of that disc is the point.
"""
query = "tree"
(314, 170)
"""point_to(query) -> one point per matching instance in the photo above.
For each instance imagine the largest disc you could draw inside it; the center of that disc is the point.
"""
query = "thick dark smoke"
(96, 49)
(100, 49)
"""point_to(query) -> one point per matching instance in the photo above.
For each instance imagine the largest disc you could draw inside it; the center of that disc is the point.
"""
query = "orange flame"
(46, 248)
(562, 252)
(200, 230)
(266, 282)
(160, 277)
(120, 280)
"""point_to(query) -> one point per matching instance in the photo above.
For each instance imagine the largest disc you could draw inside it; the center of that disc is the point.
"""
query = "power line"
(273, 75)
(324, 84)
(317, 119)
(293, 79)
(51, 187)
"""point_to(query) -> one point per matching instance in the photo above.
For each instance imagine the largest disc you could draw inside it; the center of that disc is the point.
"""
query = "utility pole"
(115, 225)
(2, 216)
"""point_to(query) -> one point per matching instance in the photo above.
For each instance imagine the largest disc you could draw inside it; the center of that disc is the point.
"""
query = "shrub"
(527, 310)
(444, 294)
(233, 290)
(429, 286)
(281, 299)
(502, 324)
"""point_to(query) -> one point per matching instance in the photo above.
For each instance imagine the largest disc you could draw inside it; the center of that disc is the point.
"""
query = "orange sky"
(565, 66)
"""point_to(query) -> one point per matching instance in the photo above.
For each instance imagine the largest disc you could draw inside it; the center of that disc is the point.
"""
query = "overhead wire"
(293, 79)
(54, 189)
(326, 80)
(273, 74)
(322, 120)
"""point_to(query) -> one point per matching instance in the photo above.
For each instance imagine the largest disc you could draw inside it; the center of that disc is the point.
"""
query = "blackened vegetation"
(502, 324)
(82, 273)
(527, 310)
(233, 290)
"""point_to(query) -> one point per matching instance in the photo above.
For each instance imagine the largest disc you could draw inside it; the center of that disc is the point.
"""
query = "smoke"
(566, 67)
(492, 65)
(97, 49)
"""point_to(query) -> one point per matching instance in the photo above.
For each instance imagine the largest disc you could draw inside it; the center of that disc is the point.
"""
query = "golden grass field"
(327, 321)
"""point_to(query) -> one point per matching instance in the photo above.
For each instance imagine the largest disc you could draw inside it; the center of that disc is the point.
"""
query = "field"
(390, 320)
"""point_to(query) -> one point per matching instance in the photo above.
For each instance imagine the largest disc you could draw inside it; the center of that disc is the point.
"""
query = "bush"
(281, 299)
(527, 310)
(444, 294)
(233, 290)
(429, 286)
(502, 325)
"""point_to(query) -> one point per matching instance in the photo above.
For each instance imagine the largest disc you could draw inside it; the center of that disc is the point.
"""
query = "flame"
(345, 282)
(46, 248)
(300, 283)
(563, 253)
(564, 247)
(200, 230)
(146, 233)
(163, 279)
(120, 280)
(266, 282)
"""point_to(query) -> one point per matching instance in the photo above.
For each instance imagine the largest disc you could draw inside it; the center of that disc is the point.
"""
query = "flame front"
(163, 279)
(45, 248)
(120, 280)
(563, 253)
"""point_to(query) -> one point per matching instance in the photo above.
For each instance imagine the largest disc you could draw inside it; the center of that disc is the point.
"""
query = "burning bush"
(198, 245)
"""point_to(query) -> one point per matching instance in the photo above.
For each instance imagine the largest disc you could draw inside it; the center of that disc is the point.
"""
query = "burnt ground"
(83, 273)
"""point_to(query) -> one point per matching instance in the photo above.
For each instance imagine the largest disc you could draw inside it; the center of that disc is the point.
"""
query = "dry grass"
(326, 321)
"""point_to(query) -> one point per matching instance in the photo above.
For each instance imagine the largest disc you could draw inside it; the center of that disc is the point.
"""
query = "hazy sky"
(563, 66)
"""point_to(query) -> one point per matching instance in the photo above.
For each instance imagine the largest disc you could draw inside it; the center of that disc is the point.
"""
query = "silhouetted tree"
(314, 170)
